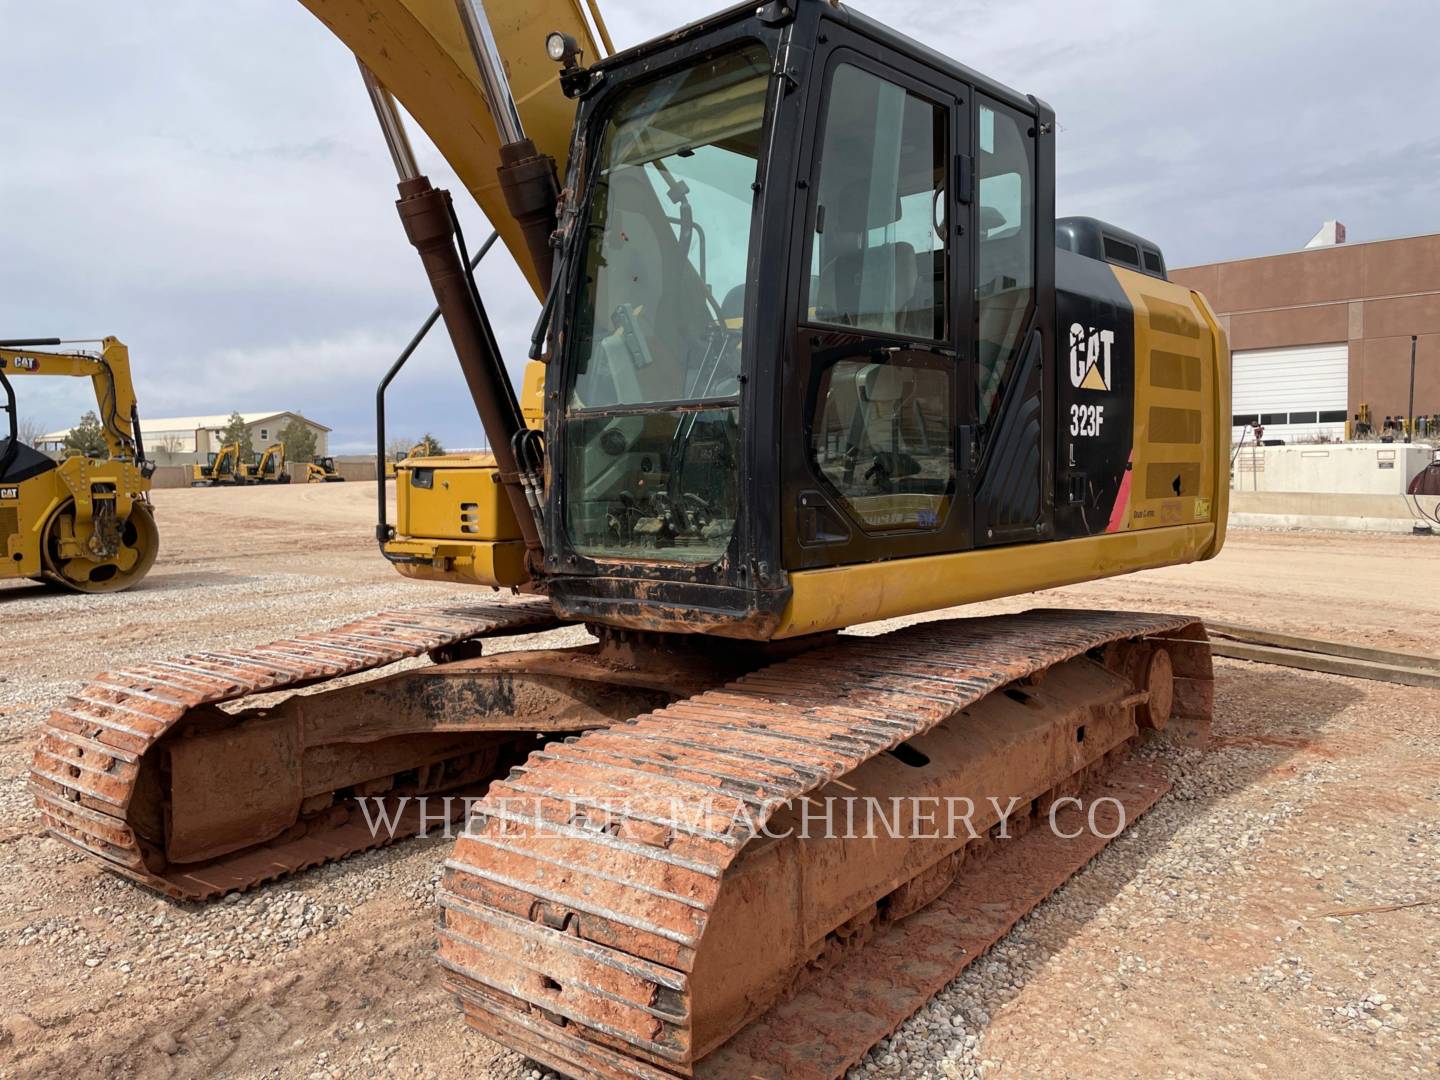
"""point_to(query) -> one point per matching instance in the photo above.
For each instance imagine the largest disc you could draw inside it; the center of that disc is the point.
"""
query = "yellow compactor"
(84, 522)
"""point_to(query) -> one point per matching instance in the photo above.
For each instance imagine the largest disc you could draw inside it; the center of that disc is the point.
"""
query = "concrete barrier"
(1330, 510)
(1368, 468)
(171, 476)
(356, 470)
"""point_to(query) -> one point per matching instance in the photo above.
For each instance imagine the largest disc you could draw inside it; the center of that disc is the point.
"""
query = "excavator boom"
(418, 50)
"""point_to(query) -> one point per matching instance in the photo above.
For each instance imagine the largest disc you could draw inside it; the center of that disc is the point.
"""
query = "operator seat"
(867, 286)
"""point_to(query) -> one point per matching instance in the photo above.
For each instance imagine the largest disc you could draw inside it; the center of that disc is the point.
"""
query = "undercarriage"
(672, 844)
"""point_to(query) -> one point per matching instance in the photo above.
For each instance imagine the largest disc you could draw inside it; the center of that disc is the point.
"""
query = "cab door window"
(1005, 264)
(882, 440)
(878, 253)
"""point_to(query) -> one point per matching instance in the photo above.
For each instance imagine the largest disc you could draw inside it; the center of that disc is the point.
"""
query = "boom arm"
(418, 51)
(109, 372)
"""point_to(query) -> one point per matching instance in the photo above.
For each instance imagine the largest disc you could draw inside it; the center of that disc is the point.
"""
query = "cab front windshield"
(652, 429)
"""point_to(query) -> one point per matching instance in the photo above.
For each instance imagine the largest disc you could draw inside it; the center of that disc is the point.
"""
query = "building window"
(264, 434)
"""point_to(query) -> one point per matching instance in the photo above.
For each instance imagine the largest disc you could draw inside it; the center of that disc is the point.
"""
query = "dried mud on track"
(1202, 943)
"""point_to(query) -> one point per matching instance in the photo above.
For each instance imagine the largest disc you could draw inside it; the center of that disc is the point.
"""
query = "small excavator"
(85, 523)
(221, 467)
(814, 352)
(268, 467)
(392, 462)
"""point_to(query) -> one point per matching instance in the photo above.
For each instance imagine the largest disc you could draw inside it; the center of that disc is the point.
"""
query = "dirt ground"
(1214, 939)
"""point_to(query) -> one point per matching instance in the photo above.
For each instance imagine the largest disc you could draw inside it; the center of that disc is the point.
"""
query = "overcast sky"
(206, 180)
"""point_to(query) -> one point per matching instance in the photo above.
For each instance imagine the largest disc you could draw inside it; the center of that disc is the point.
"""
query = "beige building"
(185, 440)
(1316, 334)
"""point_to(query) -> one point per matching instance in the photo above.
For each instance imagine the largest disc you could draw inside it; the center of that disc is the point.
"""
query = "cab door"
(1014, 261)
(878, 400)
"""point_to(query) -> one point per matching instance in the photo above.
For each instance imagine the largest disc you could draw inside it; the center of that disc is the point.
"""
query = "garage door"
(1295, 393)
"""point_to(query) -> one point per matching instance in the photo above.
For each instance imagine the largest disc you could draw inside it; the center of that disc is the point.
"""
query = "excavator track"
(89, 768)
(618, 905)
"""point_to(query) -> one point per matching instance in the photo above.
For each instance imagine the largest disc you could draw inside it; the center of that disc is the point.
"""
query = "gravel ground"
(1218, 937)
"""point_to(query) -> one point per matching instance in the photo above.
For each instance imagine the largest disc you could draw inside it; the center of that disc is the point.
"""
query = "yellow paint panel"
(841, 596)
(1168, 316)
(1182, 408)
(1175, 371)
(500, 564)
(532, 395)
(1161, 480)
(1170, 425)
(462, 502)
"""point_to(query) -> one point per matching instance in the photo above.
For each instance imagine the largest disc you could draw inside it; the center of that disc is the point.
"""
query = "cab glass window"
(878, 250)
(664, 272)
(652, 430)
(1005, 268)
(882, 440)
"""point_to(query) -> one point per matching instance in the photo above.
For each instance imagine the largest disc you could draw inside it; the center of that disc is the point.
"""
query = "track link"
(573, 909)
(88, 761)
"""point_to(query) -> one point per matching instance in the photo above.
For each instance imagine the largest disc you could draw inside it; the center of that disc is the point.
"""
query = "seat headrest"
(853, 209)
(883, 383)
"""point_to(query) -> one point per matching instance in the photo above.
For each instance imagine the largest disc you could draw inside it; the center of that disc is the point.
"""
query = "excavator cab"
(813, 323)
(819, 351)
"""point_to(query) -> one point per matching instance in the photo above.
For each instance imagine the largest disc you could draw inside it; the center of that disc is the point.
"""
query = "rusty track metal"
(863, 999)
(575, 905)
(89, 758)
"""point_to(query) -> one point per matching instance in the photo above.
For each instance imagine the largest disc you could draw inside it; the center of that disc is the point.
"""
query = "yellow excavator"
(85, 522)
(268, 466)
(221, 467)
(814, 352)
(393, 462)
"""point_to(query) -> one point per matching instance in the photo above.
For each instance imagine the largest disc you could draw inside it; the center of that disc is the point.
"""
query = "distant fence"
(171, 476)
(356, 470)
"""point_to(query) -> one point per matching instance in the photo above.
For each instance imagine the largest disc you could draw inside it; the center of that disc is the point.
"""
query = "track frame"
(575, 929)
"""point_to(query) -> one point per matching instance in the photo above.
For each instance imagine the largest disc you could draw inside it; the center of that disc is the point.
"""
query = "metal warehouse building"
(1316, 334)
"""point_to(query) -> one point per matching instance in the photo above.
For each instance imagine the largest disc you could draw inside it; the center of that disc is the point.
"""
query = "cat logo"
(1090, 357)
(9, 493)
(26, 363)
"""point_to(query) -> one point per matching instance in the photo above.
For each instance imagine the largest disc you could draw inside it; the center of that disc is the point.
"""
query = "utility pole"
(1410, 415)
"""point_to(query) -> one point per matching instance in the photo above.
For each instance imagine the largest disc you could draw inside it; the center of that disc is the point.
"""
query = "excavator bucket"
(417, 50)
